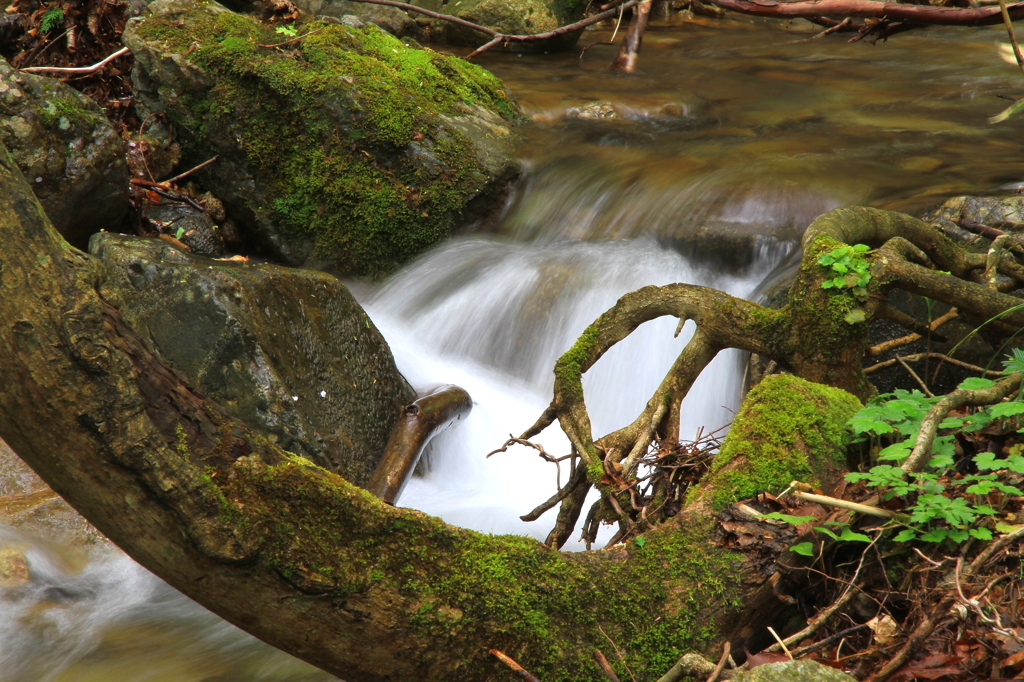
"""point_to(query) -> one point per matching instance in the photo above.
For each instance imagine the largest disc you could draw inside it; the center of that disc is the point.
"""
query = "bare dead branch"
(919, 14)
(917, 357)
(78, 70)
(893, 344)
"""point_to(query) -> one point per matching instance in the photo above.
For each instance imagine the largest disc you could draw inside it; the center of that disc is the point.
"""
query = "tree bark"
(288, 551)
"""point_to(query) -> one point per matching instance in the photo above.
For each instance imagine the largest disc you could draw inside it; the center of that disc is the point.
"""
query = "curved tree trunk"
(288, 551)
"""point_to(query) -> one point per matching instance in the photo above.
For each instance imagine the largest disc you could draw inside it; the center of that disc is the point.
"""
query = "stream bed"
(704, 167)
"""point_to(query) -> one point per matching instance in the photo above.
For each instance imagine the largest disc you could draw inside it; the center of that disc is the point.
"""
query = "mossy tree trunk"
(290, 552)
(320, 568)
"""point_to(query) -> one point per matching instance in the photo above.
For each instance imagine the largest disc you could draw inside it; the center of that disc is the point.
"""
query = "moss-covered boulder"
(342, 148)
(511, 17)
(71, 155)
(787, 429)
(287, 351)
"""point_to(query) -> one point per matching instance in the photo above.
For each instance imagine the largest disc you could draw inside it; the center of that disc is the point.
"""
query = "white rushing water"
(493, 316)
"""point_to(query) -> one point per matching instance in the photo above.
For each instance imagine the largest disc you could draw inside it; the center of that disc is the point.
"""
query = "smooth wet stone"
(793, 671)
(13, 567)
(71, 155)
(1002, 213)
(193, 228)
(350, 150)
(287, 351)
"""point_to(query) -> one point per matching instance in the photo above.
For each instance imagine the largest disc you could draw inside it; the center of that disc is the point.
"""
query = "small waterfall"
(493, 315)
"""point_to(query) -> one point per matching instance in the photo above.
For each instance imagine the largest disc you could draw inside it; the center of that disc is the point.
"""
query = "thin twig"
(811, 648)
(726, 649)
(605, 666)
(1013, 38)
(78, 70)
(893, 344)
(189, 172)
(618, 652)
(845, 504)
(922, 356)
(916, 378)
(782, 644)
(825, 615)
(838, 27)
(523, 673)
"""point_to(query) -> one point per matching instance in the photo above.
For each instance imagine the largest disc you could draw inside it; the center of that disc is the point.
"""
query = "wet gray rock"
(511, 17)
(1002, 213)
(289, 352)
(369, 153)
(793, 671)
(193, 228)
(71, 155)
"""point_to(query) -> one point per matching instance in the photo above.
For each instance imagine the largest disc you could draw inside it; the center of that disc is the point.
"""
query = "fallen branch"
(921, 14)
(78, 70)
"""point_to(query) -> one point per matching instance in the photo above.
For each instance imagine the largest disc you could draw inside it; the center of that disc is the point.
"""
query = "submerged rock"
(71, 155)
(289, 352)
(346, 149)
(510, 17)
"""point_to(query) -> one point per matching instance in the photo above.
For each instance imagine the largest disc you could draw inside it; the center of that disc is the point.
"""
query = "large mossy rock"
(510, 17)
(72, 157)
(345, 149)
(287, 351)
(787, 429)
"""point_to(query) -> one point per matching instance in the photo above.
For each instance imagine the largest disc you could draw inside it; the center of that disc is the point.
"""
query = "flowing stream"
(702, 168)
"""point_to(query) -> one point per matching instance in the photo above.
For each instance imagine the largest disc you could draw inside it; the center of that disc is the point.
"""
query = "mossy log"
(322, 569)
(292, 553)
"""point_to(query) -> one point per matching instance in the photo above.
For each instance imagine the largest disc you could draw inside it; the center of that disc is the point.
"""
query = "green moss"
(569, 367)
(788, 429)
(540, 606)
(329, 128)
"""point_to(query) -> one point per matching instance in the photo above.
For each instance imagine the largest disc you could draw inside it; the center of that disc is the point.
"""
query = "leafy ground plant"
(951, 498)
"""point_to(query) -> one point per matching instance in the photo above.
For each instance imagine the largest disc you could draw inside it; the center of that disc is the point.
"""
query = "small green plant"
(287, 30)
(942, 504)
(849, 273)
(849, 266)
(52, 18)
